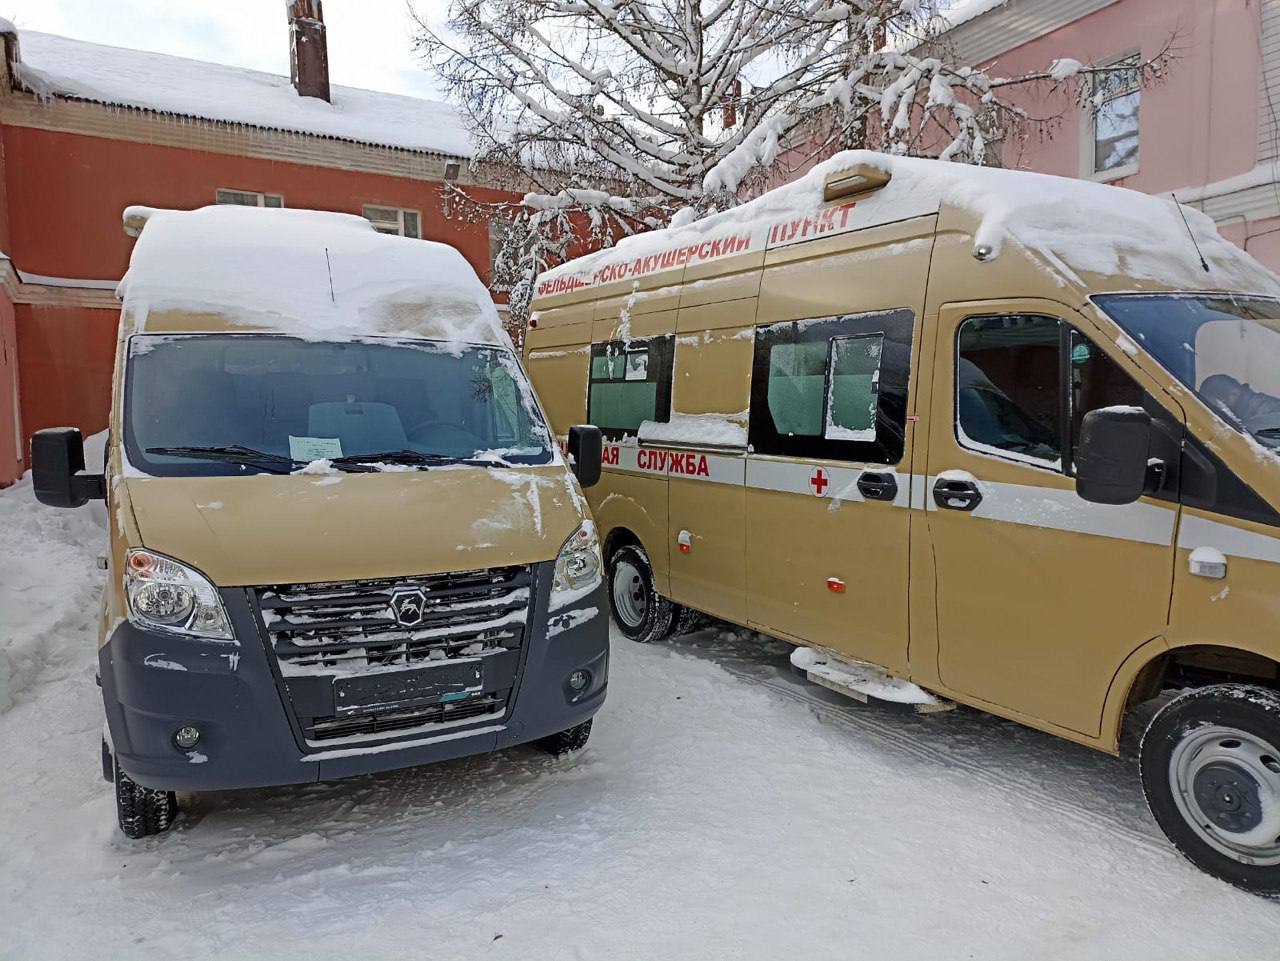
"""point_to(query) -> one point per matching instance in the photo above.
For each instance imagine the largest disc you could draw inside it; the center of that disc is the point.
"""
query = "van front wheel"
(640, 612)
(142, 811)
(1210, 762)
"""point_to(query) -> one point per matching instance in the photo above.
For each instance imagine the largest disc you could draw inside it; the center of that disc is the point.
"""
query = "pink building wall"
(1197, 127)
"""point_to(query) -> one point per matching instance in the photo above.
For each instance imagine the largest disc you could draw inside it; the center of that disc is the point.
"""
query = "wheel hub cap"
(1229, 796)
(1226, 784)
(630, 598)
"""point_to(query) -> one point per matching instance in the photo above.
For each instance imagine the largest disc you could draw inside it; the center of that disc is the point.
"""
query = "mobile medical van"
(342, 539)
(977, 435)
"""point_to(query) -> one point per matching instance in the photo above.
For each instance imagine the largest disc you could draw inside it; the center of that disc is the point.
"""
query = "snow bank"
(53, 65)
(1071, 226)
(50, 587)
(304, 272)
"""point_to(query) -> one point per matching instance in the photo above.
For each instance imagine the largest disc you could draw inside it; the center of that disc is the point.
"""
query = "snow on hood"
(1072, 226)
(308, 273)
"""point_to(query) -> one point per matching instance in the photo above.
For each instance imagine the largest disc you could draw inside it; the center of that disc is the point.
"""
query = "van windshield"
(223, 404)
(1225, 348)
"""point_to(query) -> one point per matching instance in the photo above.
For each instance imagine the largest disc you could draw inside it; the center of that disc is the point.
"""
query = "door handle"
(956, 494)
(878, 487)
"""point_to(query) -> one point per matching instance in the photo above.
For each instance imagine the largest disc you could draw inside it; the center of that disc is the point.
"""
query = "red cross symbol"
(819, 481)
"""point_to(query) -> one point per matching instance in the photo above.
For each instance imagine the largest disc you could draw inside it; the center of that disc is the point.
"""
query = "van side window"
(1096, 381)
(832, 387)
(855, 382)
(630, 383)
(1024, 384)
(1007, 388)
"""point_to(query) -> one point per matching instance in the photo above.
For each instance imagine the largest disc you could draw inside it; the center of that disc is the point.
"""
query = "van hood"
(301, 528)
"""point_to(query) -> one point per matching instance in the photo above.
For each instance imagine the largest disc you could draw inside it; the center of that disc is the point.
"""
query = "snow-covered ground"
(723, 809)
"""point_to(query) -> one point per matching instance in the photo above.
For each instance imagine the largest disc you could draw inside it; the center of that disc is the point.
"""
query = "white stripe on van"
(1232, 541)
(1026, 504)
(1065, 510)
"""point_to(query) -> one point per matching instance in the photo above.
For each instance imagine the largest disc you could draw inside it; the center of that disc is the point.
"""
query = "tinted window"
(630, 384)
(1096, 381)
(1008, 398)
(832, 387)
(855, 385)
(797, 378)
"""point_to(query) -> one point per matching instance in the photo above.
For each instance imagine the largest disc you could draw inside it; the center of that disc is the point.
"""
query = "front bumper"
(154, 683)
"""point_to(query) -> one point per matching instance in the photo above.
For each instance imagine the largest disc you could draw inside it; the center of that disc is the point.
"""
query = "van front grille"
(348, 627)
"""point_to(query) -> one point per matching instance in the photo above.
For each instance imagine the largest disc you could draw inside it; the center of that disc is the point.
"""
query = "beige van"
(961, 435)
(343, 539)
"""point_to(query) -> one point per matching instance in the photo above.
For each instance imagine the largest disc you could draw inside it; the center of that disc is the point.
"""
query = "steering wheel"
(462, 432)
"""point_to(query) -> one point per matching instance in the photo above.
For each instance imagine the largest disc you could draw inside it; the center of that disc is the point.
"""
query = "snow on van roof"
(59, 66)
(1070, 226)
(308, 273)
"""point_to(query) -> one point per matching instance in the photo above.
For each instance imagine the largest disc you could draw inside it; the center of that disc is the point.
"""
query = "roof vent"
(308, 49)
(858, 180)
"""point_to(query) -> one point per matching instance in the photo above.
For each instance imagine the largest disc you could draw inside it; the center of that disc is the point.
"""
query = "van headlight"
(578, 567)
(166, 595)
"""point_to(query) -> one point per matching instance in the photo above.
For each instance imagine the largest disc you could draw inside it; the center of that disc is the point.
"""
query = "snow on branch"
(625, 112)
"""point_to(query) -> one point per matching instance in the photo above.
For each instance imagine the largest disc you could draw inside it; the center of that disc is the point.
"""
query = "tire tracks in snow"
(896, 729)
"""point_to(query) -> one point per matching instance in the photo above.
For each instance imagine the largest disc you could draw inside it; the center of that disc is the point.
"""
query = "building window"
(1114, 102)
(394, 220)
(247, 198)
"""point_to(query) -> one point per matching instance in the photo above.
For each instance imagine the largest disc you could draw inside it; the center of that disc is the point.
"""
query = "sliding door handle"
(956, 494)
(878, 487)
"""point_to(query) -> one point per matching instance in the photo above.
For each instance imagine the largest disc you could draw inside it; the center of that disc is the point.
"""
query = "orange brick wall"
(10, 465)
(61, 198)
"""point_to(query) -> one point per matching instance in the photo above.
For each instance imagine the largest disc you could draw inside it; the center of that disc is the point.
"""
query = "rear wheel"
(568, 741)
(640, 612)
(1210, 762)
(142, 811)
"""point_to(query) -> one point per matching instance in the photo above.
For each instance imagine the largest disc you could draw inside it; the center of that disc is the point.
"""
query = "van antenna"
(330, 267)
(1190, 233)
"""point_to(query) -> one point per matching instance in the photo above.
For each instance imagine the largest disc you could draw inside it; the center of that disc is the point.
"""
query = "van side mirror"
(57, 462)
(586, 449)
(1111, 464)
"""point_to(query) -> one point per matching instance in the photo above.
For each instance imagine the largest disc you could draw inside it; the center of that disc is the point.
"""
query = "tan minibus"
(342, 538)
(961, 435)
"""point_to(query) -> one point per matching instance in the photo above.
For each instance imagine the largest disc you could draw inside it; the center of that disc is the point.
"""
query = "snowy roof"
(308, 273)
(1070, 226)
(966, 10)
(58, 66)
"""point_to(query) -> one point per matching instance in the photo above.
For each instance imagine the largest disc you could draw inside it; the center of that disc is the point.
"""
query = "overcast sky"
(369, 40)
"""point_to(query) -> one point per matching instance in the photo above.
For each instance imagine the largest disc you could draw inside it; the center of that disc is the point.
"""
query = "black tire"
(648, 616)
(1220, 744)
(566, 742)
(143, 811)
(687, 620)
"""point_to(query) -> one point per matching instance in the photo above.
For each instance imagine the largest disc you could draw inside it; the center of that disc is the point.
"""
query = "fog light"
(579, 680)
(186, 737)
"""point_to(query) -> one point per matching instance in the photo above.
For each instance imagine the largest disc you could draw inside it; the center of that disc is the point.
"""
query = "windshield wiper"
(411, 458)
(234, 454)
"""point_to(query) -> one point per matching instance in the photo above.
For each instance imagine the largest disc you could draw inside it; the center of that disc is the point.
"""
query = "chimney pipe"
(308, 49)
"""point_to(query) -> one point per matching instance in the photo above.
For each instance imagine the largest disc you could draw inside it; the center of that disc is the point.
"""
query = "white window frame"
(399, 221)
(261, 197)
(1089, 137)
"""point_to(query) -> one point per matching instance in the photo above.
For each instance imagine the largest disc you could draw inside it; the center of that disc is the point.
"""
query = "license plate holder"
(388, 690)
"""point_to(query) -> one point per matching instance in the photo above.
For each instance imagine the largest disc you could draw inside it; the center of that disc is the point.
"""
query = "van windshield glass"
(223, 404)
(1225, 348)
